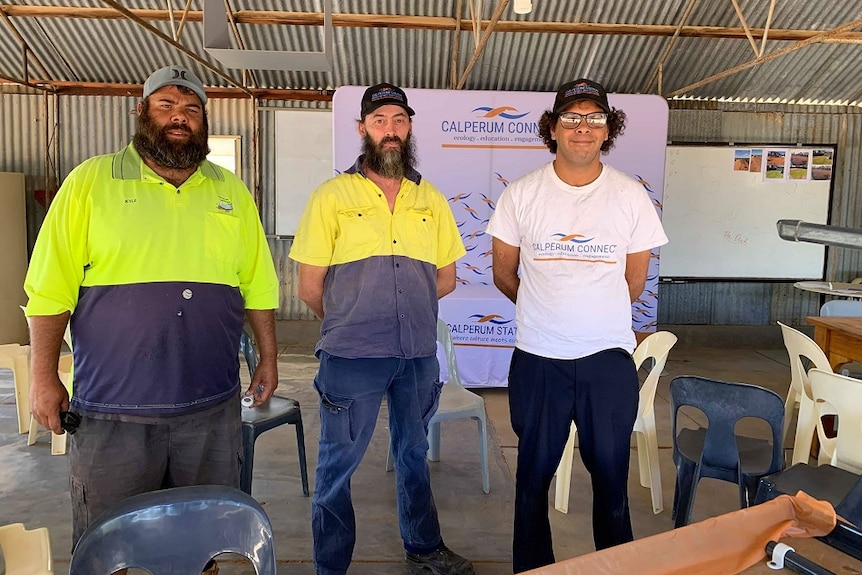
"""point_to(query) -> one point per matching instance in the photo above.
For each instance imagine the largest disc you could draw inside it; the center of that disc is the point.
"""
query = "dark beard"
(152, 143)
(390, 163)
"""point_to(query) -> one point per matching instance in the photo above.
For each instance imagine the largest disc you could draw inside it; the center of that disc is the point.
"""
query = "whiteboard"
(303, 161)
(721, 222)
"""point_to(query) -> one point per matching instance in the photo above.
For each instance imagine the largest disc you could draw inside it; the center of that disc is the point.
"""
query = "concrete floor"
(34, 486)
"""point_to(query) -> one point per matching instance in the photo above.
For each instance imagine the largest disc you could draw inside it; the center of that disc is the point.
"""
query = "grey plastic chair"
(717, 451)
(277, 411)
(176, 532)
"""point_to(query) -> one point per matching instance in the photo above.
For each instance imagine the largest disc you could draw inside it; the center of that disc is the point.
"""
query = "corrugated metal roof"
(120, 51)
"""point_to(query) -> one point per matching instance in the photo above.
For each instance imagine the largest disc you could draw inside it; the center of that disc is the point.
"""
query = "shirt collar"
(356, 168)
(128, 165)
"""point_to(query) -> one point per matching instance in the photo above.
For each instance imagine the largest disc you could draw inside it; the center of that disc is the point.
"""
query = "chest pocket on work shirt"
(360, 233)
(418, 231)
(222, 237)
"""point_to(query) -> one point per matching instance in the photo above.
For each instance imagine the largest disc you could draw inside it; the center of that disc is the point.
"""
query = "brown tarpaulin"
(722, 545)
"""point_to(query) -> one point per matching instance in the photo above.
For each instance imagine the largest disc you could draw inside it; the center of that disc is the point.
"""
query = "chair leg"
(21, 375)
(686, 488)
(483, 453)
(643, 459)
(806, 426)
(649, 459)
(34, 429)
(58, 443)
(564, 474)
(300, 449)
(434, 441)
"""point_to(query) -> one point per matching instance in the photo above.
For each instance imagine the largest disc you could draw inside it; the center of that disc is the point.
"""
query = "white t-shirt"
(573, 300)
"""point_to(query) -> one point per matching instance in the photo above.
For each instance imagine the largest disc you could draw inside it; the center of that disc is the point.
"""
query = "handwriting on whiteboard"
(735, 238)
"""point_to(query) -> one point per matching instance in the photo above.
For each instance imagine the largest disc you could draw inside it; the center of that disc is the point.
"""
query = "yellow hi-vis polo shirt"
(157, 278)
(380, 291)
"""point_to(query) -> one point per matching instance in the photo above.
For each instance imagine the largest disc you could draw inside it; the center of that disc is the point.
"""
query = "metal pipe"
(794, 561)
(799, 231)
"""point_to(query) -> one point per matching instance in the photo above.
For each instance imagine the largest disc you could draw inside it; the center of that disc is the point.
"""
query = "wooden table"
(839, 337)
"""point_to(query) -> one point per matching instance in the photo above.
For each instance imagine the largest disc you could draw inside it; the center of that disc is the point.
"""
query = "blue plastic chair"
(277, 411)
(717, 451)
(176, 532)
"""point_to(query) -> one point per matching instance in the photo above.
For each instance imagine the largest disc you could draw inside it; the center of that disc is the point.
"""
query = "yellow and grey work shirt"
(380, 291)
(157, 279)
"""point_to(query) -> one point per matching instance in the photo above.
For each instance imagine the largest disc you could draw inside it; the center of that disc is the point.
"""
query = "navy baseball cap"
(581, 89)
(381, 95)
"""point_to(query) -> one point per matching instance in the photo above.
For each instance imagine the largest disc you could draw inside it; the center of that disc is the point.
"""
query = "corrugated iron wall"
(60, 132)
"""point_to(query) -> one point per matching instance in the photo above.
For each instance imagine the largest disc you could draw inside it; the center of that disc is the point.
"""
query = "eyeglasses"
(572, 120)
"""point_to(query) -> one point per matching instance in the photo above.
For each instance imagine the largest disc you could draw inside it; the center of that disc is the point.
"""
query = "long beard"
(151, 142)
(391, 163)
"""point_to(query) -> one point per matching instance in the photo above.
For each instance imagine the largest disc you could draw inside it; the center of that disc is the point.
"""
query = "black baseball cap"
(581, 89)
(381, 95)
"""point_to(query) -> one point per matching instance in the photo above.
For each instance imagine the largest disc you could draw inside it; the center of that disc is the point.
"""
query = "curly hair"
(616, 127)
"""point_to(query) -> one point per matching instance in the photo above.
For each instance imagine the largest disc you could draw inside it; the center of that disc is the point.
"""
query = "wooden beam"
(136, 90)
(482, 43)
(428, 23)
(456, 50)
(792, 48)
(766, 29)
(660, 66)
(183, 21)
(23, 43)
(19, 82)
(742, 21)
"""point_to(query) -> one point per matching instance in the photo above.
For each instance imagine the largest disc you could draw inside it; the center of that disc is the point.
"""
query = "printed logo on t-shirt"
(574, 247)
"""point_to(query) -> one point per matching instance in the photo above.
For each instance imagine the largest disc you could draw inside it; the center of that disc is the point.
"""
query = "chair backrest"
(801, 346)
(657, 346)
(838, 394)
(445, 339)
(26, 551)
(724, 404)
(175, 532)
(841, 308)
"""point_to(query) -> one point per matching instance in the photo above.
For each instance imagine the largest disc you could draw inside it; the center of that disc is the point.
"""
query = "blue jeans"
(350, 394)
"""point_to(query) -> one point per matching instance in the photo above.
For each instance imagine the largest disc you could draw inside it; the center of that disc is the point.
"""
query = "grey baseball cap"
(175, 76)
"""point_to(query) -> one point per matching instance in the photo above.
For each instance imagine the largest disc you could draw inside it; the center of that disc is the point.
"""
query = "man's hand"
(263, 383)
(47, 399)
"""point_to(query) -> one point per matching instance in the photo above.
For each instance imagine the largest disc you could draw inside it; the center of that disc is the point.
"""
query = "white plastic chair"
(840, 395)
(456, 402)
(799, 395)
(656, 346)
(26, 551)
(16, 358)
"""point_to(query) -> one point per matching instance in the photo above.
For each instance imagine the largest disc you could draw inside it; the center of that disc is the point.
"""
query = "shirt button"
(400, 290)
(402, 316)
(394, 241)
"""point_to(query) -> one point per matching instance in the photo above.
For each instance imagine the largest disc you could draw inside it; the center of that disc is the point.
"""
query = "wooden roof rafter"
(260, 17)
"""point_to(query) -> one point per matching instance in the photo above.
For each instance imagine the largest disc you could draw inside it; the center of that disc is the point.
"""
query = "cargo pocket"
(433, 401)
(336, 418)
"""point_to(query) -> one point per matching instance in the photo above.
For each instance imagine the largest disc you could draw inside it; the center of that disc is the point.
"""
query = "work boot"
(211, 568)
(440, 562)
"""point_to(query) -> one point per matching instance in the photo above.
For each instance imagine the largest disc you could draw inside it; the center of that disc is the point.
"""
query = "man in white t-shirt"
(581, 232)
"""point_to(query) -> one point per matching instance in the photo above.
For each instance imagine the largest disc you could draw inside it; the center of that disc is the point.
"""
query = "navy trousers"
(600, 393)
